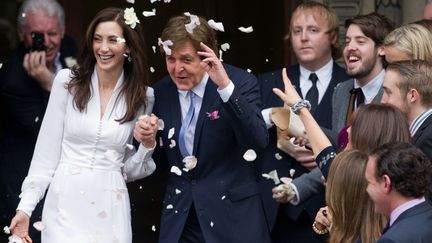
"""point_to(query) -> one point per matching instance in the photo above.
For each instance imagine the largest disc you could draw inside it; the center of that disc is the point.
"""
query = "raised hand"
(213, 66)
(35, 65)
(290, 96)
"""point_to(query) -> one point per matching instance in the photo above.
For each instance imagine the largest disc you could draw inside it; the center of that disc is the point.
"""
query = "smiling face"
(49, 26)
(107, 50)
(310, 40)
(184, 66)
(361, 55)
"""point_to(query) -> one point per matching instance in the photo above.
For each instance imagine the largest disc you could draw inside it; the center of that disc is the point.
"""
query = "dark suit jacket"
(22, 105)
(323, 115)
(223, 186)
(423, 137)
(412, 226)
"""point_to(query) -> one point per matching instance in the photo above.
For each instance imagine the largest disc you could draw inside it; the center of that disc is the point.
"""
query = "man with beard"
(363, 54)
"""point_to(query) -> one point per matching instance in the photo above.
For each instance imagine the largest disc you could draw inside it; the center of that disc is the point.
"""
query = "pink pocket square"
(214, 115)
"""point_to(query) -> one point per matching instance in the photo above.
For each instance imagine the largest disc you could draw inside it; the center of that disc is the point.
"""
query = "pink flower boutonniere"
(214, 115)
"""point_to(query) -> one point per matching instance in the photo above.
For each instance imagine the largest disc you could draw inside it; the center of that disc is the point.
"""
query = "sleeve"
(140, 164)
(47, 151)
(307, 185)
(324, 160)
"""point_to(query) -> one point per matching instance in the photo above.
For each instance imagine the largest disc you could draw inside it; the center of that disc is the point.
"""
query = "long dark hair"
(136, 77)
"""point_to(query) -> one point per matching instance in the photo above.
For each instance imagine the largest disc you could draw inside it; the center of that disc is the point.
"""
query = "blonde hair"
(352, 209)
(414, 40)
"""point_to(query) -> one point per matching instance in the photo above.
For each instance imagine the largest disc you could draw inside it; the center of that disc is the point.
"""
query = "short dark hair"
(407, 167)
(373, 25)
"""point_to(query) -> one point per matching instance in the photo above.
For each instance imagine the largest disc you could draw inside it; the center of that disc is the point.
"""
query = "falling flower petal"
(102, 214)
(190, 162)
(250, 155)
(225, 46)
(169, 206)
(152, 69)
(246, 29)
(278, 156)
(165, 45)
(154, 228)
(1, 65)
(130, 1)
(6, 230)
(211, 224)
(173, 143)
(36, 119)
(15, 239)
(216, 25)
(273, 175)
(292, 171)
(152, 1)
(171, 133)
(223, 197)
(176, 170)
(154, 49)
(149, 13)
(130, 146)
(185, 169)
(248, 70)
(161, 124)
(266, 60)
(70, 62)
(194, 22)
(167, 1)
(177, 191)
(39, 226)
(140, 187)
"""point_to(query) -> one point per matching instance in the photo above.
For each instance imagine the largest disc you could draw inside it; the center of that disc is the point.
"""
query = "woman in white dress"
(84, 152)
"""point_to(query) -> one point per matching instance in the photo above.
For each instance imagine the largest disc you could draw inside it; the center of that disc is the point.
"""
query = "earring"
(129, 58)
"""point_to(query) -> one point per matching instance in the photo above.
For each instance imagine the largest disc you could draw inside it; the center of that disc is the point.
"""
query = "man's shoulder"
(347, 84)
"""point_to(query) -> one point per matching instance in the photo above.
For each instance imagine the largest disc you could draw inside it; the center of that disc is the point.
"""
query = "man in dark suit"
(398, 175)
(211, 113)
(25, 84)
(364, 59)
(314, 40)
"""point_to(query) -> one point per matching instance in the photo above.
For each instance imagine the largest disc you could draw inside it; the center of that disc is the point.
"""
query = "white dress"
(85, 160)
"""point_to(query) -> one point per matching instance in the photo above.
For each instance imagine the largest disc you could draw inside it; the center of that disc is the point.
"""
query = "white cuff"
(266, 115)
(296, 200)
(226, 93)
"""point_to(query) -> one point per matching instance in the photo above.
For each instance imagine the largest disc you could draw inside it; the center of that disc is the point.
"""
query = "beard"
(365, 69)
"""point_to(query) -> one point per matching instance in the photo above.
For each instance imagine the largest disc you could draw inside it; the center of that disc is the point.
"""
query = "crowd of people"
(348, 148)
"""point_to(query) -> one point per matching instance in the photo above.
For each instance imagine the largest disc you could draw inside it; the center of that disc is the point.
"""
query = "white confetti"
(225, 46)
(1, 65)
(39, 226)
(154, 49)
(130, 146)
(152, 69)
(292, 171)
(140, 187)
(177, 191)
(154, 228)
(149, 13)
(185, 169)
(266, 60)
(167, 1)
(120, 40)
(194, 22)
(249, 155)
(161, 124)
(278, 156)
(165, 45)
(130, 1)
(6, 230)
(175, 211)
(171, 133)
(248, 70)
(273, 175)
(190, 162)
(169, 206)
(216, 25)
(220, 55)
(152, 1)
(246, 29)
(173, 143)
(211, 224)
(102, 214)
(223, 197)
(175, 170)
(23, 15)
(15, 239)
(36, 119)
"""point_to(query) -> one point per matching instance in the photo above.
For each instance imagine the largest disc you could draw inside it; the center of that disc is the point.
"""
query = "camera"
(38, 39)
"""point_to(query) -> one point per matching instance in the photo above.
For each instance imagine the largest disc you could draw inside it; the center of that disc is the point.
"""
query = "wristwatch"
(299, 105)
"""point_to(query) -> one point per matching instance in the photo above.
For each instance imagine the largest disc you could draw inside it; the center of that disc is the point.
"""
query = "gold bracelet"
(319, 231)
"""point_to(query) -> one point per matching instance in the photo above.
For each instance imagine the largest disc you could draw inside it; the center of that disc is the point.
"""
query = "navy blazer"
(423, 137)
(412, 226)
(223, 186)
(323, 115)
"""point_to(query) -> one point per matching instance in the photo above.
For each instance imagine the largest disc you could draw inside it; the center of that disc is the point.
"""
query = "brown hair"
(352, 210)
(175, 31)
(332, 22)
(376, 124)
(373, 25)
(415, 74)
(136, 77)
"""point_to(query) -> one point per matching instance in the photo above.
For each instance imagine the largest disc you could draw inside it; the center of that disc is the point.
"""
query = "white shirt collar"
(370, 90)
(199, 89)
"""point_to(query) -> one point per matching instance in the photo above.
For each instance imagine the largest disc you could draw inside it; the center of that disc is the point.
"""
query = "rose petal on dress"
(175, 170)
(250, 155)
(161, 124)
(15, 239)
(169, 206)
(190, 162)
(273, 175)
(225, 46)
(246, 29)
(292, 172)
(173, 143)
(177, 191)
(39, 226)
(6, 230)
(149, 13)
(216, 25)
(102, 214)
(171, 133)
(278, 156)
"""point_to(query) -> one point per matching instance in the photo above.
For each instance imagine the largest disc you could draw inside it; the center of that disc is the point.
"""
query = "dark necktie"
(185, 146)
(312, 94)
(356, 99)
(360, 98)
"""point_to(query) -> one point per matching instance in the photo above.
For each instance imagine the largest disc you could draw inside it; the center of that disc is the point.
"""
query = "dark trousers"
(298, 231)
(192, 231)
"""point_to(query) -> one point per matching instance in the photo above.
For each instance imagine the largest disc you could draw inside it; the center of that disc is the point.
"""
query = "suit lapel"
(211, 96)
(423, 126)
(293, 74)
(175, 109)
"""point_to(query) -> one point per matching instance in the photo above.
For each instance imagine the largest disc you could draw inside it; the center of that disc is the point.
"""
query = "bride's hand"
(290, 96)
(20, 226)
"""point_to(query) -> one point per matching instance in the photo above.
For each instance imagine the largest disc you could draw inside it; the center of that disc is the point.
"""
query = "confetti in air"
(39, 226)
(225, 46)
(272, 175)
(149, 13)
(250, 155)
(175, 170)
(216, 25)
(278, 156)
(246, 29)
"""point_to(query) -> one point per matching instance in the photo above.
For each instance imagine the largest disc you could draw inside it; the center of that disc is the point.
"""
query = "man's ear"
(386, 183)
(413, 95)
(381, 51)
